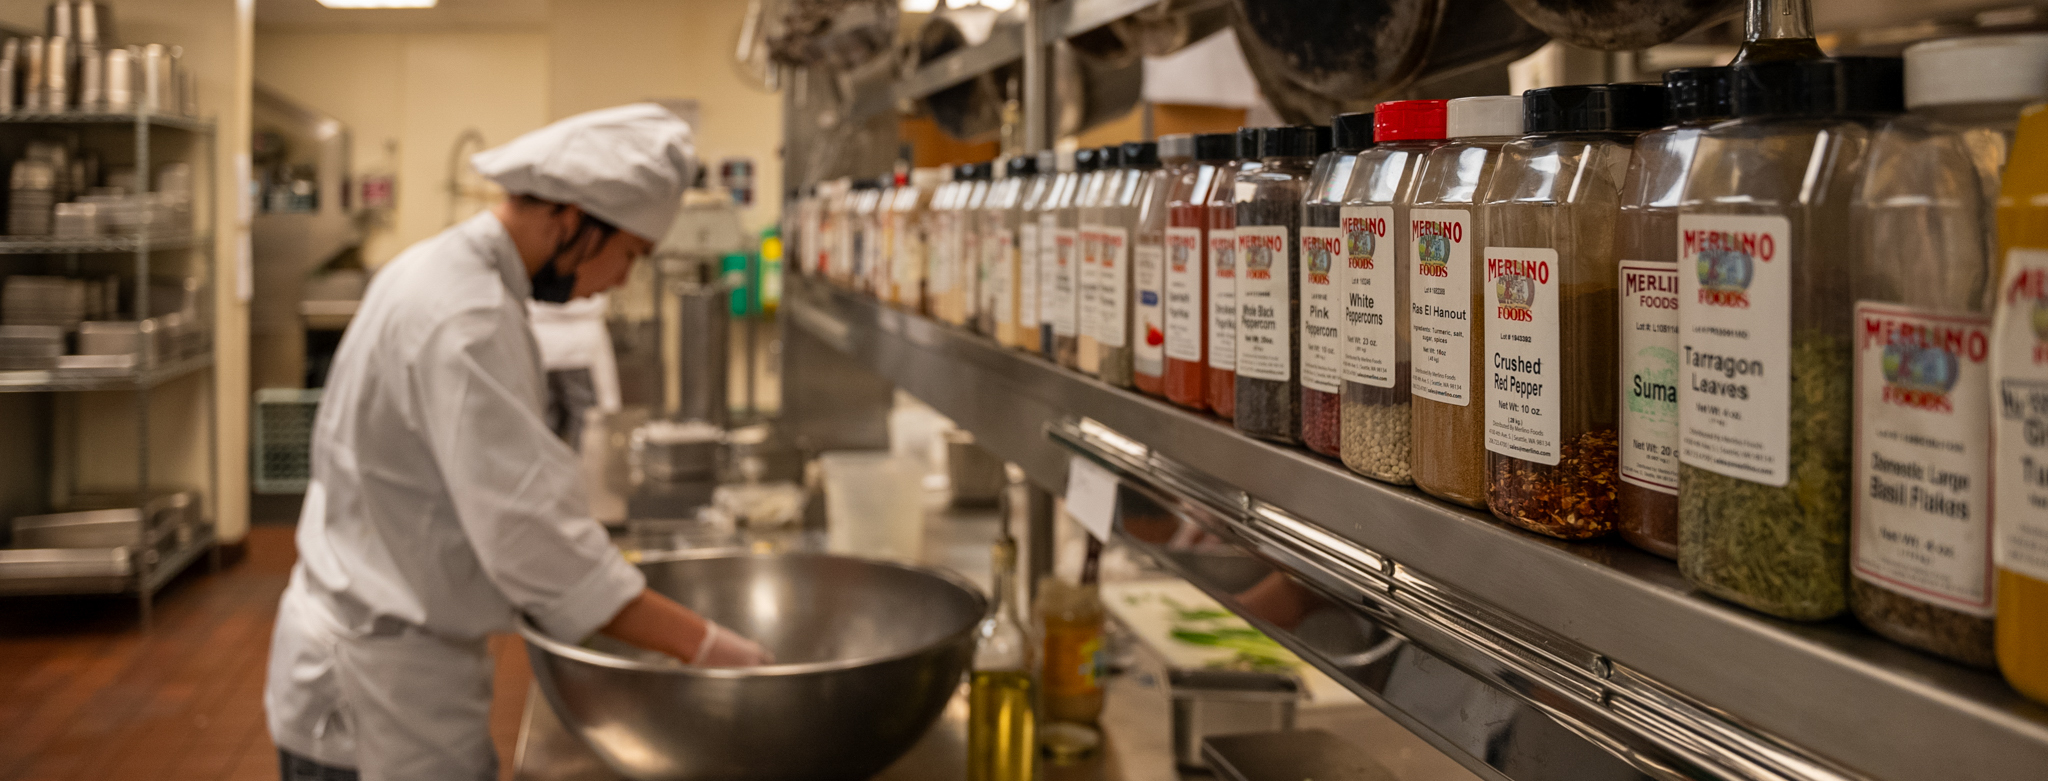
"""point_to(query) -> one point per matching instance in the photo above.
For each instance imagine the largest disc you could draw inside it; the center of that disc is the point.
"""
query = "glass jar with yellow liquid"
(1002, 712)
(2019, 386)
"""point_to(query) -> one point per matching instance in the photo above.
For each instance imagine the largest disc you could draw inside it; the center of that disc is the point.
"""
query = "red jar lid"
(1408, 120)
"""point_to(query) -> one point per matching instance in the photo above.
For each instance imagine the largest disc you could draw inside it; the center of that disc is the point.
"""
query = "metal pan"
(1622, 25)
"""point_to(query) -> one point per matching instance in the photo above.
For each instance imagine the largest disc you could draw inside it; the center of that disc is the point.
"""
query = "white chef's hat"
(627, 165)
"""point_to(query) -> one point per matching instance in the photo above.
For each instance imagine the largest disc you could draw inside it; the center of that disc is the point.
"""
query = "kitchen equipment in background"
(281, 440)
(32, 194)
(868, 653)
(697, 380)
(1290, 756)
(874, 504)
(665, 451)
(170, 513)
(977, 477)
(118, 95)
(30, 346)
(1622, 25)
(1213, 703)
(972, 108)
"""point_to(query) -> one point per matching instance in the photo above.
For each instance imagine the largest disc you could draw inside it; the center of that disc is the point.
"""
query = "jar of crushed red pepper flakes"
(1551, 293)
(1323, 262)
(1187, 270)
(1222, 374)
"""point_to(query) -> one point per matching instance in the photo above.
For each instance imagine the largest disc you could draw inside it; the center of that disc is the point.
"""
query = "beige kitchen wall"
(408, 97)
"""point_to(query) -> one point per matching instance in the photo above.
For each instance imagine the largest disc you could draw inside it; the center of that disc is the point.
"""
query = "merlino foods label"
(1523, 388)
(1148, 269)
(1440, 316)
(1265, 316)
(1322, 338)
(1112, 286)
(1921, 495)
(1368, 283)
(1734, 345)
(1066, 260)
(1184, 294)
(2019, 372)
(1027, 275)
(1223, 299)
(1649, 375)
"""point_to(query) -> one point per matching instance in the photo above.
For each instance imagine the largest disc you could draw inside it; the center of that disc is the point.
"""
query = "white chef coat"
(441, 507)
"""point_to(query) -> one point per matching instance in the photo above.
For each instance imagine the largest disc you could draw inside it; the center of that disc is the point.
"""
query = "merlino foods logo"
(1180, 252)
(1433, 242)
(1319, 252)
(1921, 361)
(1361, 239)
(1726, 263)
(1514, 286)
(1223, 254)
(1260, 251)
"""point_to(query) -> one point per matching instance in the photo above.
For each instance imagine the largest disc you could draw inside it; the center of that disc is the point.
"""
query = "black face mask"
(554, 287)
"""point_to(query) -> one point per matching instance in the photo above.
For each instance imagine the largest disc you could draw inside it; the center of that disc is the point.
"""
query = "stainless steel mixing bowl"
(867, 654)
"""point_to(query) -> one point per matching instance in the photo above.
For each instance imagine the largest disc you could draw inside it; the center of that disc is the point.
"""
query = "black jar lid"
(1141, 154)
(1248, 142)
(1111, 156)
(1216, 147)
(1840, 86)
(1351, 132)
(1288, 141)
(1084, 160)
(1022, 166)
(1593, 108)
(1326, 140)
(1699, 94)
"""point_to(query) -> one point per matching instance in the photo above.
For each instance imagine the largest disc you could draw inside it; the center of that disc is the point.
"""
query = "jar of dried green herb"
(1268, 287)
(1764, 334)
(1322, 284)
(1550, 285)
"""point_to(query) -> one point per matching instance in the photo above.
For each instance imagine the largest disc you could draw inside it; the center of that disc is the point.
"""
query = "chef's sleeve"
(516, 488)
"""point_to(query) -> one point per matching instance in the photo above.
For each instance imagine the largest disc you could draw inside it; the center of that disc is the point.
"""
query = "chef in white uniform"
(441, 506)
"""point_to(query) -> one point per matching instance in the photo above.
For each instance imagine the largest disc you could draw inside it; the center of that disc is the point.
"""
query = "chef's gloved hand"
(723, 648)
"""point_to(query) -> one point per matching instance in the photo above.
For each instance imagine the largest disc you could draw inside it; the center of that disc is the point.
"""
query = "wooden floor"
(85, 693)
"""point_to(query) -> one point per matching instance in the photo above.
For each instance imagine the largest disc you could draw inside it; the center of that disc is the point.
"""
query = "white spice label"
(1522, 409)
(1649, 375)
(940, 276)
(1322, 336)
(1440, 304)
(2019, 368)
(1148, 271)
(1087, 288)
(1003, 277)
(1922, 488)
(1367, 283)
(1184, 294)
(1065, 250)
(1027, 275)
(1048, 272)
(1734, 345)
(1112, 286)
(1223, 300)
(1265, 321)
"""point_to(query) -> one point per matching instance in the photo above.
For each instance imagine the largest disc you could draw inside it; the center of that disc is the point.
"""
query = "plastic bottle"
(1223, 268)
(972, 263)
(1322, 284)
(942, 237)
(1551, 290)
(907, 268)
(1764, 334)
(1187, 271)
(1920, 545)
(1001, 217)
(1095, 236)
(1269, 201)
(1446, 330)
(1029, 253)
(2019, 371)
(1116, 237)
(1062, 257)
(1148, 264)
(1646, 240)
(1377, 418)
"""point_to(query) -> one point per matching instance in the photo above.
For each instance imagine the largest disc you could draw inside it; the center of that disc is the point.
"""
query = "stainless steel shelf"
(1831, 690)
(47, 245)
(1004, 46)
(175, 121)
(51, 381)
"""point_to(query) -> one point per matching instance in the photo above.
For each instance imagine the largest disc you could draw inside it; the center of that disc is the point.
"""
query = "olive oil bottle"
(1002, 707)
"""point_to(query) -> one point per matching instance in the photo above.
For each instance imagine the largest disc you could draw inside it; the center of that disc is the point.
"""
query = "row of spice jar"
(1744, 318)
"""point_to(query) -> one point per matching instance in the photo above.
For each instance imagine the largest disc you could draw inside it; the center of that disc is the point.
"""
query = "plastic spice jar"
(1099, 240)
(944, 237)
(1764, 317)
(999, 239)
(1115, 232)
(1046, 211)
(1920, 544)
(1187, 270)
(973, 244)
(2019, 371)
(1550, 281)
(1322, 284)
(1646, 240)
(1379, 247)
(1447, 231)
(906, 266)
(1268, 288)
(1222, 205)
(1148, 264)
(1062, 222)
(1029, 207)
